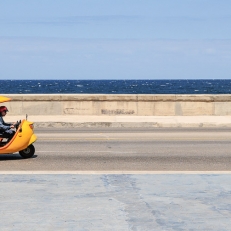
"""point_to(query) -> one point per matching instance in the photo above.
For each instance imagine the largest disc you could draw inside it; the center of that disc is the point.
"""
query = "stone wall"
(137, 105)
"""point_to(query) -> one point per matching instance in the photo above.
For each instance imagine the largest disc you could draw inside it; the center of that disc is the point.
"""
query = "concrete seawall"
(119, 105)
(97, 110)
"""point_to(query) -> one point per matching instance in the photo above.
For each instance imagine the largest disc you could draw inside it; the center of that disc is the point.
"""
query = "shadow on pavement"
(6, 157)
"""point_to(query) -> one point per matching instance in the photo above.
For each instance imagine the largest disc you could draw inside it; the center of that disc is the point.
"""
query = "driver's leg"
(8, 134)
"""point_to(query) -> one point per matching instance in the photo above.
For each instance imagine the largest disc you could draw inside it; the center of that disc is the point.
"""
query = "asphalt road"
(123, 149)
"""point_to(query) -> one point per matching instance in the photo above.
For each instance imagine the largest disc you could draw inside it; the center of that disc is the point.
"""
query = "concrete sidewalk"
(115, 202)
(125, 121)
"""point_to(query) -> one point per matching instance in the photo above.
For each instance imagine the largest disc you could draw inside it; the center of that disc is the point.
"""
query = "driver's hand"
(12, 126)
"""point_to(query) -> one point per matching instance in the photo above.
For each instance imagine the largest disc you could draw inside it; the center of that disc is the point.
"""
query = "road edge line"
(114, 172)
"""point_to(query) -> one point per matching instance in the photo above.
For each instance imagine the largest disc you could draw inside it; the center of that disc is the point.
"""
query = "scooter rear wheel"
(27, 152)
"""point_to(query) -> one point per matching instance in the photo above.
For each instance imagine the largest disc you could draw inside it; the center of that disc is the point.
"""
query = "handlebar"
(17, 124)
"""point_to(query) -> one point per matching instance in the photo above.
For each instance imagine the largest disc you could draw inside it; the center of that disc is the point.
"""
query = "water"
(115, 86)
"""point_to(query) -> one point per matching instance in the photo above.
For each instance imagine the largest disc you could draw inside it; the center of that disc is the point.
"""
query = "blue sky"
(121, 39)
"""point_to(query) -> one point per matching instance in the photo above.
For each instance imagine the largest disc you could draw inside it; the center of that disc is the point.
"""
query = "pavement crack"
(136, 209)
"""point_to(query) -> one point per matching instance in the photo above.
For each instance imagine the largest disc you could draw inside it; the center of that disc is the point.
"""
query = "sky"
(121, 39)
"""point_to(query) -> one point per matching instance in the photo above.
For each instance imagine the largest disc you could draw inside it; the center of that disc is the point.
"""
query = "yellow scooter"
(23, 139)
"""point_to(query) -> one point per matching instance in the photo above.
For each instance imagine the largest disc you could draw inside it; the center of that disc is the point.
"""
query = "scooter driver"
(5, 128)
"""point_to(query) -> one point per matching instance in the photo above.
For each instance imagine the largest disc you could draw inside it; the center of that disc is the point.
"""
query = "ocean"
(207, 86)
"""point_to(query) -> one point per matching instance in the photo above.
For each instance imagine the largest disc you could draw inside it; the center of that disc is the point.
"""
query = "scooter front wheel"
(27, 152)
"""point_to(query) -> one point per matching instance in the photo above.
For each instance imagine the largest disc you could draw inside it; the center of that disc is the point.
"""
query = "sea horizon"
(116, 86)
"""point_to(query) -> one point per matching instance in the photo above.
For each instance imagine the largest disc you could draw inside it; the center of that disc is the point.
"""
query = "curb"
(128, 125)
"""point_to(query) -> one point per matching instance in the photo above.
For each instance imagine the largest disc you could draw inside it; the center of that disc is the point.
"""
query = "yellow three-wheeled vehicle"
(23, 139)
